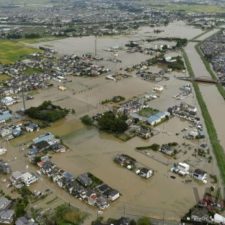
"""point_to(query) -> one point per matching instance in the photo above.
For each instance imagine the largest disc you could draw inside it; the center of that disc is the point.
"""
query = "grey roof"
(25, 221)
(6, 215)
(5, 115)
(4, 203)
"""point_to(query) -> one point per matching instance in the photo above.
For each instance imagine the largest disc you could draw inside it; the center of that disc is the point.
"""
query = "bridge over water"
(201, 80)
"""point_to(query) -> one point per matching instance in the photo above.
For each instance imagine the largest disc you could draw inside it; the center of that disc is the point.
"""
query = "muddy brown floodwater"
(214, 101)
(93, 151)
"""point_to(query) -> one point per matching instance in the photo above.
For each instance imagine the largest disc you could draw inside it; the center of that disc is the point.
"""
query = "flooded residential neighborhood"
(111, 120)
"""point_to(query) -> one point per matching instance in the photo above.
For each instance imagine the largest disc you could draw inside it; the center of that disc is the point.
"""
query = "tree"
(87, 120)
(113, 123)
(144, 221)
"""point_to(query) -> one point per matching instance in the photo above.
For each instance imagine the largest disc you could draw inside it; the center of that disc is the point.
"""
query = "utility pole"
(24, 104)
(95, 46)
(23, 96)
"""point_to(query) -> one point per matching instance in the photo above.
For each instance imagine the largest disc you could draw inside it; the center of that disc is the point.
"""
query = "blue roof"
(4, 116)
(153, 118)
(156, 116)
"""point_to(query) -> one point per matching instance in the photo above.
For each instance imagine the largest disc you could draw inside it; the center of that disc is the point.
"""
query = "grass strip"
(217, 148)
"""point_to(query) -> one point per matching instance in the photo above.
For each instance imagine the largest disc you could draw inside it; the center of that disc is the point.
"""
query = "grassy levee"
(217, 148)
(209, 69)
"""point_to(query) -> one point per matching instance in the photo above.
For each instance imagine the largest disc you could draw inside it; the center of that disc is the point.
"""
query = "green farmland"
(11, 51)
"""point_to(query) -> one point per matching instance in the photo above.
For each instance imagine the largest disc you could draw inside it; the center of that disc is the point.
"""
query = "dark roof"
(199, 172)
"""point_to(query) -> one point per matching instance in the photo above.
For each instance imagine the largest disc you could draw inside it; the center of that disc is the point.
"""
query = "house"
(92, 198)
(157, 118)
(47, 167)
(38, 147)
(31, 127)
(5, 116)
(125, 161)
(84, 180)
(181, 168)
(5, 203)
(7, 216)
(219, 219)
(5, 132)
(102, 203)
(200, 215)
(45, 137)
(144, 172)
(200, 175)
(112, 194)
(167, 149)
(22, 178)
(15, 177)
(4, 167)
(3, 151)
(25, 221)
(8, 101)
(153, 120)
(28, 178)
(103, 188)
(16, 131)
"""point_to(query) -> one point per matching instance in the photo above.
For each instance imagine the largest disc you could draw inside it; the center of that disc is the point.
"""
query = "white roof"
(184, 165)
(26, 176)
(219, 219)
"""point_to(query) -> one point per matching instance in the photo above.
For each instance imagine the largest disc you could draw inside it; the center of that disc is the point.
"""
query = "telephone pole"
(95, 46)
(23, 97)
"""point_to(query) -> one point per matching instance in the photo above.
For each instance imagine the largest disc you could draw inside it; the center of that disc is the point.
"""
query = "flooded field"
(85, 45)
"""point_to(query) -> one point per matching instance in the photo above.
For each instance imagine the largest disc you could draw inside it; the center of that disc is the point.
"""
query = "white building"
(28, 178)
(200, 175)
(8, 101)
(181, 169)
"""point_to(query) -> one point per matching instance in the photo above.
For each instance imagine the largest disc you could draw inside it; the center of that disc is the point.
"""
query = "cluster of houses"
(9, 132)
(8, 214)
(207, 211)
(44, 143)
(189, 113)
(131, 164)
(132, 108)
(213, 48)
(85, 187)
(40, 68)
(183, 169)
(185, 91)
